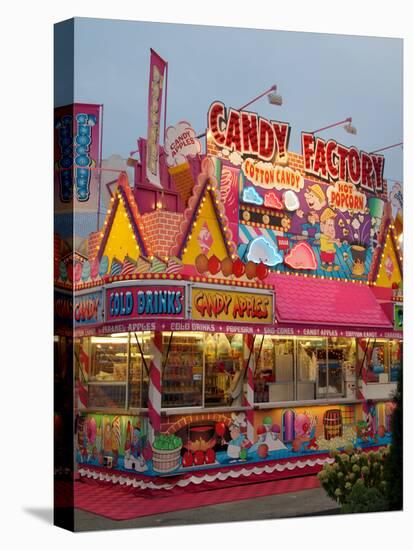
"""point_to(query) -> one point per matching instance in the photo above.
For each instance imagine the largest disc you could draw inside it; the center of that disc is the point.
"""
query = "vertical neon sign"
(83, 161)
(65, 141)
(77, 147)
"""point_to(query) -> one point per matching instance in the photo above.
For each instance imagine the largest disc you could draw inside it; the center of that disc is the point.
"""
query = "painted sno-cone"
(184, 182)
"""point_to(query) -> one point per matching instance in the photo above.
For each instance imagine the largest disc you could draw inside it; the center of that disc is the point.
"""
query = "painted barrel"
(164, 461)
(333, 423)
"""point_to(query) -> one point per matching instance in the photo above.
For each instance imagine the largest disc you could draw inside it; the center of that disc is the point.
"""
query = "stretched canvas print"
(228, 272)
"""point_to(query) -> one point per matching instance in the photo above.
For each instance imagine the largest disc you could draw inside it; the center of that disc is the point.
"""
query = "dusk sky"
(323, 78)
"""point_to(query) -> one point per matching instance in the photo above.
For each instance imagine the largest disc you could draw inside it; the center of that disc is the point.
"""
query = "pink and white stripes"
(155, 390)
(249, 362)
(363, 357)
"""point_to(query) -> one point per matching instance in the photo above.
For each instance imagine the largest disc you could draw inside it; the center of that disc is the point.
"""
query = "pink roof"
(324, 302)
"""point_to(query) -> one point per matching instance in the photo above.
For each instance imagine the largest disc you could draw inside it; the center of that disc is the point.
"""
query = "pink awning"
(324, 302)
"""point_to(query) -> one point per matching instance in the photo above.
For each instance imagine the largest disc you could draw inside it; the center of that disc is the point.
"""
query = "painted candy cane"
(363, 353)
(154, 392)
(249, 365)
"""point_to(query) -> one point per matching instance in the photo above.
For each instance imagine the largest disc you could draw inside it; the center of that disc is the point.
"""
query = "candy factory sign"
(332, 161)
(144, 302)
(247, 133)
(240, 307)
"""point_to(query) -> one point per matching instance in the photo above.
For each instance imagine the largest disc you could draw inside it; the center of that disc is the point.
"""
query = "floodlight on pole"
(348, 127)
(274, 98)
(388, 147)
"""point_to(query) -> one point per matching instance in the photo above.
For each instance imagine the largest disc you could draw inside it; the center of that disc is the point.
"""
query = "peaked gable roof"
(204, 207)
(389, 267)
(123, 227)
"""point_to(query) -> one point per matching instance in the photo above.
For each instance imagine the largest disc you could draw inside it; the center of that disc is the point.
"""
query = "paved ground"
(303, 503)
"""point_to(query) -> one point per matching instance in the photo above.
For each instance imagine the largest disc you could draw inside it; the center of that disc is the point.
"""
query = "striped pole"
(155, 390)
(362, 354)
(249, 364)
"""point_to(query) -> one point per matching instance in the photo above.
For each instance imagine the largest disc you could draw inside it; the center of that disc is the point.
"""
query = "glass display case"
(183, 369)
(311, 371)
(224, 376)
(274, 371)
(108, 371)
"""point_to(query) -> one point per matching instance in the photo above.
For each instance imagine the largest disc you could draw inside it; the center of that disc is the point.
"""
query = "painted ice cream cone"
(116, 433)
(107, 437)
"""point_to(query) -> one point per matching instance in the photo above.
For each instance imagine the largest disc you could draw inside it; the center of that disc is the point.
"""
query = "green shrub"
(364, 499)
(351, 468)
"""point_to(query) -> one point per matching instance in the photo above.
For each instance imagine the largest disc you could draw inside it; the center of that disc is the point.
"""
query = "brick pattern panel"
(172, 424)
(161, 228)
(92, 245)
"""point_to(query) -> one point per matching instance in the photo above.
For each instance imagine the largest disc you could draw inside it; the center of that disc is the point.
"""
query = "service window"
(311, 368)
(108, 371)
(182, 373)
(341, 353)
(224, 370)
(274, 369)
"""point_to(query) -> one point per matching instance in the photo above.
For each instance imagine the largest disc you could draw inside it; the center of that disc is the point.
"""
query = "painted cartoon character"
(238, 445)
(136, 442)
(305, 428)
(303, 424)
(205, 239)
(316, 200)
(134, 459)
(328, 241)
(270, 435)
(389, 267)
